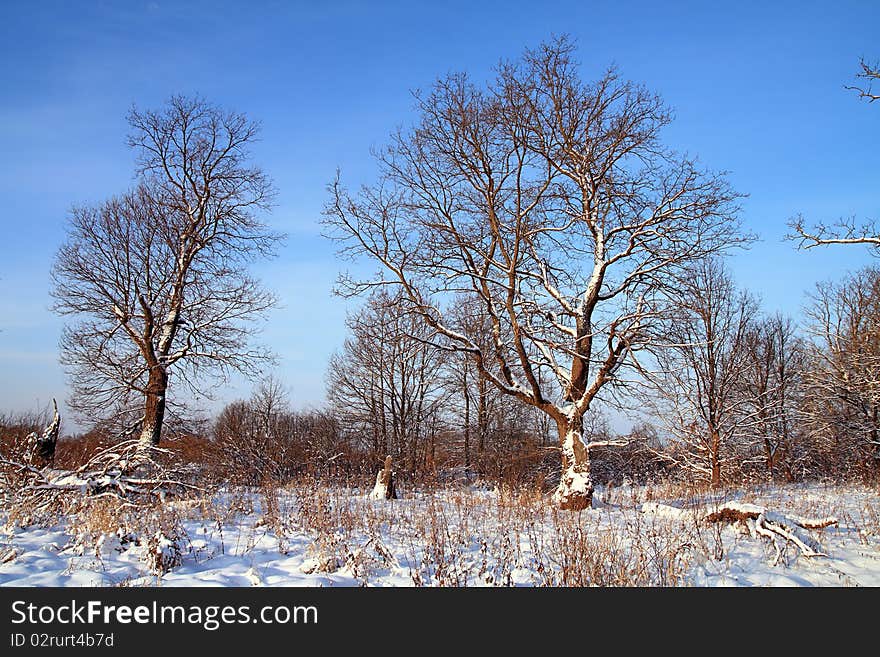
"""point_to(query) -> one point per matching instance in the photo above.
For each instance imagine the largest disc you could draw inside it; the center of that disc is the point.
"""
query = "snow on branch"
(760, 520)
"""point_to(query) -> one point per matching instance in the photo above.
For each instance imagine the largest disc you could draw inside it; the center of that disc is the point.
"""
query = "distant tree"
(701, 383)
(640, 459)
(387, 381)
(555, 203)
(842, 405)
(155, 280)
(776, 363)
(492, 426)
(257, 440)
(262, 439)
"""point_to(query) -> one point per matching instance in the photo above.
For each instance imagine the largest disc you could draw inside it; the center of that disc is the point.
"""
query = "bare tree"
(555, 203)
(847, 230)
(493, 426)
(387, 381)
(156, 279)
(260, 439)
(773, 390)
(842, 409)
(703, 370)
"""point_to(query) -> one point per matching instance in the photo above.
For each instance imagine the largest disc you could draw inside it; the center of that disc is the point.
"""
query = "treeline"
(738, 395)
(747, 394)
(735, 394)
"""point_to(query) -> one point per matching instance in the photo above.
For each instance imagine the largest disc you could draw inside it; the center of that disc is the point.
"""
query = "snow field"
(322, 536)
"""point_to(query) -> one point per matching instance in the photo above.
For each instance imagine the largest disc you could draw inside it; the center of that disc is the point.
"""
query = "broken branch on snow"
(760, 520)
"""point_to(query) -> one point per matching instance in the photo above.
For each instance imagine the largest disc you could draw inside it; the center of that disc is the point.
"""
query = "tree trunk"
(154, 407)
(467, 424)
(768, 452)
(714, 458)
(575, 490)
(433, 448)
(482, 415)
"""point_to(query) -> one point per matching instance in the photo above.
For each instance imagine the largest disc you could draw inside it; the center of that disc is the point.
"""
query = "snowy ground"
(336, 537)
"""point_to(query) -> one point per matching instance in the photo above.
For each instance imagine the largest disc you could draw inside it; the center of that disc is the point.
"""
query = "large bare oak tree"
(155, 280)
(554, 202)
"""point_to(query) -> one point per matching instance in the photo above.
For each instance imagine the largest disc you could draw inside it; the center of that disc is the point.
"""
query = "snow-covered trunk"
(154, 407)
(384, 488)
(575, 490)
(157, 384)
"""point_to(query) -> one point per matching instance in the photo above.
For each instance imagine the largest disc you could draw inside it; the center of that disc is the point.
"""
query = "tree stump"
(384, 488)
(42, 446)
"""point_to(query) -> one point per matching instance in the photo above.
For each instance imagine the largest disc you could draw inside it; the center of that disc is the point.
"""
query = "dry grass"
(461, 538)
(457, 537)
(104, 524)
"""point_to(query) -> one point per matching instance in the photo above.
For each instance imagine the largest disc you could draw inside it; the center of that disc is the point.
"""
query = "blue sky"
(757, 89)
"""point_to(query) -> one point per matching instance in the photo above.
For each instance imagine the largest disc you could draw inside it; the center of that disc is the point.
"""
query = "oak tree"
(555, 203)
(155, 281)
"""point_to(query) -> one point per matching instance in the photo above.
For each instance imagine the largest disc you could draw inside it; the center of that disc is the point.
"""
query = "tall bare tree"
(556, 204)
(155, 280)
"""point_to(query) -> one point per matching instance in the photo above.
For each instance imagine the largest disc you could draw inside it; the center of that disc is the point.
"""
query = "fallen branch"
(125, 471)
(769, 524)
